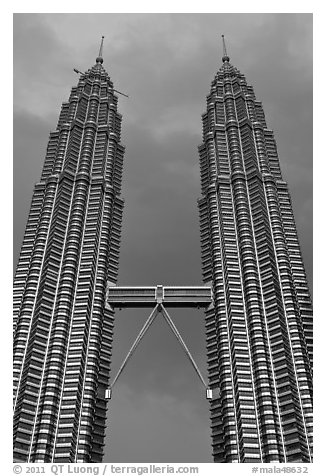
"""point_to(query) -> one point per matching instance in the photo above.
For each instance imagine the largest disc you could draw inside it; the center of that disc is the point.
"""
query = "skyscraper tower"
(63, 332)
(259, 328)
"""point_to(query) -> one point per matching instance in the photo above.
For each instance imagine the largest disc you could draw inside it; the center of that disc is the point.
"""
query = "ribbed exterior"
(63, 332)
(259, 329)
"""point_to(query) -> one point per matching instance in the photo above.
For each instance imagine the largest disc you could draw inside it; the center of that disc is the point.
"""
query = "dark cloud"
(158, 418)
(30, 140)
(165, 62)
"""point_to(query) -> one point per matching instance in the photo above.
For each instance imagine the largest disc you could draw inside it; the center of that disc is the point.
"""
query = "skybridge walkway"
(150, 296)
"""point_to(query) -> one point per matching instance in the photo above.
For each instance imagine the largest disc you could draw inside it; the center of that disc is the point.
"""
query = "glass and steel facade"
(259, 328)
(62, 329)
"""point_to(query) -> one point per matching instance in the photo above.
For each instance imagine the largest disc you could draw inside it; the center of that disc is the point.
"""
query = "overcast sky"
(165, 63)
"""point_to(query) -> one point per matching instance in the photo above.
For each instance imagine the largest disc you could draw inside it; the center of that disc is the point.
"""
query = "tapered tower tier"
(259, 329)
(63, 332)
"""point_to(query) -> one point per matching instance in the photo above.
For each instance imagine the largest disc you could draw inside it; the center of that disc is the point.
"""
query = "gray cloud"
(165, 62)
(158, 417)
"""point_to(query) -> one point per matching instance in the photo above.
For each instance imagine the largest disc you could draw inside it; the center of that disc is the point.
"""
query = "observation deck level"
(150, 296)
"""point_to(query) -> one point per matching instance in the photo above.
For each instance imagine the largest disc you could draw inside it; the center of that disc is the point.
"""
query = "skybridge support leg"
(133, 347)
(185, 348)
(159, 308)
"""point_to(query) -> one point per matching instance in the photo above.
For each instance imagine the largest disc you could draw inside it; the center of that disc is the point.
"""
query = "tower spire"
(99, 59)
(225, 55)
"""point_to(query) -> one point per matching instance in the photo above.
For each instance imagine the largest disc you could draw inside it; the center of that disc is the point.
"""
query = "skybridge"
(150, 296)
(158, 298)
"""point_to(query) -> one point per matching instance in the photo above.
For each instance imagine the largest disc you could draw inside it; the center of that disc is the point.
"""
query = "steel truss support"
(159, 308)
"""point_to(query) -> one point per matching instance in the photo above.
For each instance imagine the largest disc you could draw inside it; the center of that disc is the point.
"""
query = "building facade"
(259, 328)
(63, 332)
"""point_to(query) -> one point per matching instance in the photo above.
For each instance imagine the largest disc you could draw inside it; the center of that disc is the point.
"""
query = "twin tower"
(256, 298)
